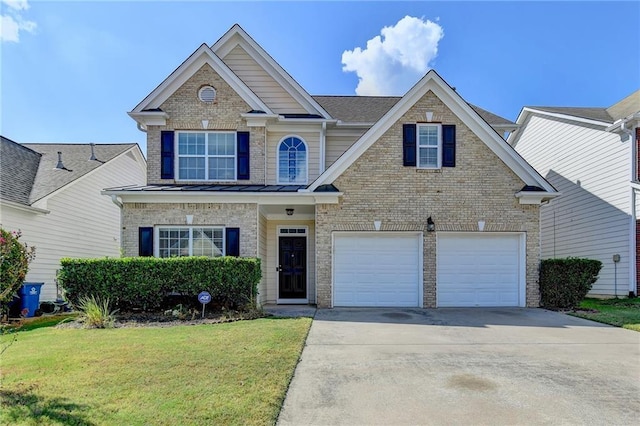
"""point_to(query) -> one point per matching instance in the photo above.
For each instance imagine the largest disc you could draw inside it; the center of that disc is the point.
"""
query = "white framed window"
(179, 241)
(207, 156)
(429, 146)
(292, 160)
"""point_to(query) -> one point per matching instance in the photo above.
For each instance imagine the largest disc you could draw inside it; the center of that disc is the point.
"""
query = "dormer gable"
(148, 112)
(252, 64)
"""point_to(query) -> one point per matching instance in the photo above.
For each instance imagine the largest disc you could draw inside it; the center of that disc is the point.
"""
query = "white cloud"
(12, 23)
(17, 4)
(391, 64)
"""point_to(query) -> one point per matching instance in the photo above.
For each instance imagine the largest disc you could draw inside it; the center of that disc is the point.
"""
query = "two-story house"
(591, 156)
(349, 201)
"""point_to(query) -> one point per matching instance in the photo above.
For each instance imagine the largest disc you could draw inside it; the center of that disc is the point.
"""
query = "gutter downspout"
(114, 200)
(632, 227)
(323, 136)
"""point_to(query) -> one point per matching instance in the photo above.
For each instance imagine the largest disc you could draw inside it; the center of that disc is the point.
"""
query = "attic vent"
(207, 94)
(60, 165)
(93, 155)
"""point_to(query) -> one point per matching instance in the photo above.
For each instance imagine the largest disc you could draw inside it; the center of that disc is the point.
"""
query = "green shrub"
(148, 282)
(14, 264)
(96, 312)
(565, 282)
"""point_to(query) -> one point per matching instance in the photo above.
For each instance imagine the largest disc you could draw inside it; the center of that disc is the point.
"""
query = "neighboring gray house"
(591, 156)
(55, 200)
(348, 200)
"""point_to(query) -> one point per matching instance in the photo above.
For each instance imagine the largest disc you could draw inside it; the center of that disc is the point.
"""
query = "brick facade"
(378, 187)
(186, 112)
(243, 216)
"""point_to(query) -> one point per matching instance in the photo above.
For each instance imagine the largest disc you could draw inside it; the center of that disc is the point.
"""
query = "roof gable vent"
(207, 94)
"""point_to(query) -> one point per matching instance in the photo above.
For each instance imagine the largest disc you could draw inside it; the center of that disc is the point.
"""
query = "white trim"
(176, 159)
(306, 161)
(285, 301)
(23, 207)
(434, 83)
(201, 56)
(522, 259)
(272, 198)
(284, 216)
(535, 197)
(237, 36)
(418, 234)
(438, 147)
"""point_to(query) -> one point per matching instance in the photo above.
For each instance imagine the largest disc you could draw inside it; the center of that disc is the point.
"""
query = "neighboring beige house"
(51, 192)
(349, 201)
(591, 156)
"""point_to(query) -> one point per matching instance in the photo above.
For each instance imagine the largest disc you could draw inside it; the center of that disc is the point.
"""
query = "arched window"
(292, 160)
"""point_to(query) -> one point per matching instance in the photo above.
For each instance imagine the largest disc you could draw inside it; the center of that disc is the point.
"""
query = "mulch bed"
(159, 319)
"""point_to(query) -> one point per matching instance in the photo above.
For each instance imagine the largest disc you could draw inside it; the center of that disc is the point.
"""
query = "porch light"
(289, 212)
(431, 226)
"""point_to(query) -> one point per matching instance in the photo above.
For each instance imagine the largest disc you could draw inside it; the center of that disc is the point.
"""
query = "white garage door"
(377, 269)
(480, 269)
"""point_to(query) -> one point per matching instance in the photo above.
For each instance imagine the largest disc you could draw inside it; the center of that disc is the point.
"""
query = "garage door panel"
(478, 269)
(377, 270)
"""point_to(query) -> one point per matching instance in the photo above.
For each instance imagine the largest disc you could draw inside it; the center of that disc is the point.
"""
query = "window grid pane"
(207, 156)
(292, 161)
(177, 242)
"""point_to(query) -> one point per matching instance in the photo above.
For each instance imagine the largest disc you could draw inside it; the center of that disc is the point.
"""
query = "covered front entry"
(292, 268)
(377, 269)
(478, 269)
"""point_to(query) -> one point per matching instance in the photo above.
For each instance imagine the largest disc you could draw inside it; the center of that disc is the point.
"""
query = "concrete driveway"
(464, 366)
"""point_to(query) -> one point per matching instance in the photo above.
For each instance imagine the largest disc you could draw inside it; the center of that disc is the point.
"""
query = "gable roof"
(434, 83)
(18, 169)
(597, 114)
(150, 105)
(35, 165)
(238, 36)
(369, 109)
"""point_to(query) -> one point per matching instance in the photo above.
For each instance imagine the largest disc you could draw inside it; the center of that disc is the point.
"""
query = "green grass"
(234, 373)
(619, 312)
(40, 322)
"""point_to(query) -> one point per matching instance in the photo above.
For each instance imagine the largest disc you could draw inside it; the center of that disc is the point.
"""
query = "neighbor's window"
(429, 146)
(206, 155)
(190, 241)
(292, 161)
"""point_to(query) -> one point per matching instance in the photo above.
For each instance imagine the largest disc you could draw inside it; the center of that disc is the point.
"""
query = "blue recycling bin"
(30, 298)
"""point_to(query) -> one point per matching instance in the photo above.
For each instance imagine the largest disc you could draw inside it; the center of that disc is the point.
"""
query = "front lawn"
(619, 312)
(234, 373)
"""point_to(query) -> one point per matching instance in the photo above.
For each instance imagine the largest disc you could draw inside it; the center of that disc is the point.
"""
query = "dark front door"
(293, 268)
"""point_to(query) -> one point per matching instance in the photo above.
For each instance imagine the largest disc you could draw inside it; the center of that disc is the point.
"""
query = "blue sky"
(70, 71)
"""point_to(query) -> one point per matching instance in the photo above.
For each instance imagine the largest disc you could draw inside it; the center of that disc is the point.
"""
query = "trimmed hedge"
(565, 282)
(147, 282)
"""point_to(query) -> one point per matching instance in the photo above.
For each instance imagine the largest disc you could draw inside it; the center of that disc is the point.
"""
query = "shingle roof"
(599, 114)
(47, 178)
(18, 168)
(369, 109)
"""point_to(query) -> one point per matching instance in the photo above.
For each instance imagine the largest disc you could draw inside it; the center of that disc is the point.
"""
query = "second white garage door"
(377, 269)
(480, 269)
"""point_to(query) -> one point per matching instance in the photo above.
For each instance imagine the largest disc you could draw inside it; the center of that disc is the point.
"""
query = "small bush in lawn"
(565, 282)
(96, 312)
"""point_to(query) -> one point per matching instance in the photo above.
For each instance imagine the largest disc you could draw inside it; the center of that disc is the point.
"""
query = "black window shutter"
(232, 238)
(243, 155)
(166, 155)
(145, 241)
(448, 145)
(409, 144)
